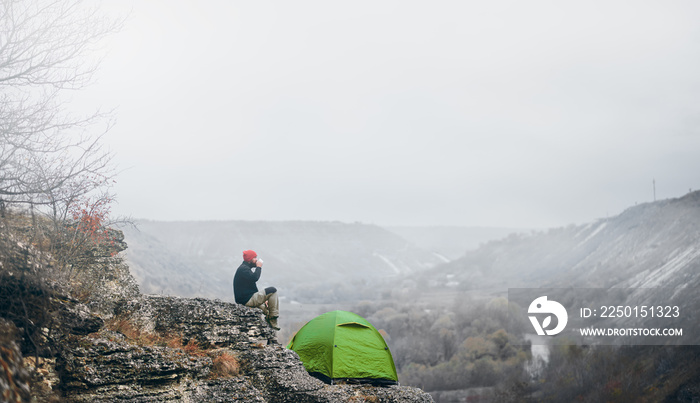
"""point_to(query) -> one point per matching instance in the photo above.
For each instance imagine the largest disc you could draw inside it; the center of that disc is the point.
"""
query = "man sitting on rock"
(246, 292)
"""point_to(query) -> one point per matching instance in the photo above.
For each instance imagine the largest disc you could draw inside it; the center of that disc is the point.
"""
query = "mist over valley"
(402, 280)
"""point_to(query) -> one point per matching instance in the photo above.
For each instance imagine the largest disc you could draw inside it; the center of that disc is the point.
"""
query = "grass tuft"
(225, 366)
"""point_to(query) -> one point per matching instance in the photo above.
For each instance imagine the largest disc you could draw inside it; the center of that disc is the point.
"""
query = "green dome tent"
(341, 345)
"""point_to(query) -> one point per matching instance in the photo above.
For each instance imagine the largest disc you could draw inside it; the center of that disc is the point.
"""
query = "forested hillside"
(449, 334)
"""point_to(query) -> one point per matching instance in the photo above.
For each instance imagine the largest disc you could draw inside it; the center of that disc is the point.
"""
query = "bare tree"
(48, 156)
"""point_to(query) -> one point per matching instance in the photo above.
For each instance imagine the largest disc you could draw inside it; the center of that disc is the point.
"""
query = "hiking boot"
(272, 321)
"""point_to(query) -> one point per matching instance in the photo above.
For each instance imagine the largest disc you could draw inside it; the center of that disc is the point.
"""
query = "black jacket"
(244, 282)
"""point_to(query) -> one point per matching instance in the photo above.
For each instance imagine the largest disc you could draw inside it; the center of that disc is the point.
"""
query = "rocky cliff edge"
(162, 349)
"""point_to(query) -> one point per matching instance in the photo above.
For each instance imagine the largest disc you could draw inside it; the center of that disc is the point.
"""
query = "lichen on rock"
(108, 366)
(209, 323)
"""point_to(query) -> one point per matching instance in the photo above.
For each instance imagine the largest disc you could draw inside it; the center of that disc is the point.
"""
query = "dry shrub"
(364, 398)
(193, 348)
(225, 366)
(174, 342)
(132, 332)
(136, 335)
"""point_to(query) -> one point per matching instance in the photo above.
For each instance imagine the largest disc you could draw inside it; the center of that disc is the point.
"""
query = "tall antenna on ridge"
(653, 183)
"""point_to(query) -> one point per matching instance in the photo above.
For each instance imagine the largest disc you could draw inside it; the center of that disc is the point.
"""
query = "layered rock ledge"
(163, 349)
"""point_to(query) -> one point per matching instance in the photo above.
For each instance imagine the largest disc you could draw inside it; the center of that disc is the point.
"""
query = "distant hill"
(452, 242)
(649, 245)
(654, 247)
(307, 261)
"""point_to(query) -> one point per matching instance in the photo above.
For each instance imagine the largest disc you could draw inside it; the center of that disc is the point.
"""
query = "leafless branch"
(48, 155)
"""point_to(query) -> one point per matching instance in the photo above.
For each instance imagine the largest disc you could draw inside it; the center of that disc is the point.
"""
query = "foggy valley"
(503, 189)
(417, 297)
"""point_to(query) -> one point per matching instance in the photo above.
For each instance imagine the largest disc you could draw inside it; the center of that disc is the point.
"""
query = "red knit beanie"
(249, 255)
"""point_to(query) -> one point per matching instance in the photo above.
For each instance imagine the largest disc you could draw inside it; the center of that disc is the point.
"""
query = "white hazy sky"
(479, 113)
